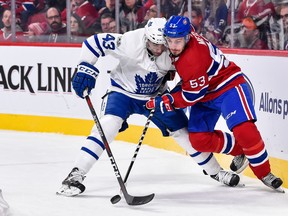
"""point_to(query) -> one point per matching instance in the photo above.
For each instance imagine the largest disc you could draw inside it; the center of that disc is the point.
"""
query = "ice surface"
(33, 165)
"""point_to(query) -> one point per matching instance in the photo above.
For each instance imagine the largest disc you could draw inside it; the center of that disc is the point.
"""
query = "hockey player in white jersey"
(143, 64)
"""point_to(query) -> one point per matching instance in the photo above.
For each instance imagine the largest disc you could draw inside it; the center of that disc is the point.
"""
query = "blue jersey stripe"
(212, 71)
(194, 96)
(29, 6)
(226, 82)
(98, 45)
(91, 49)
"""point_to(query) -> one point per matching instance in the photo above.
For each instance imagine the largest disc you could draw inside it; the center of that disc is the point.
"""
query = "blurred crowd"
(255, 24)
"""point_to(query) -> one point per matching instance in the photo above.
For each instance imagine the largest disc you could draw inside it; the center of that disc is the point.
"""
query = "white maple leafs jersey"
(136, 75)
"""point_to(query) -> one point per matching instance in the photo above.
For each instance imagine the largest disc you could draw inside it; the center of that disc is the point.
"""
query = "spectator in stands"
(148, 3)
(64, 11)
(261, 11)
(150, 13)
(86, 11)
(131, 14)
(112, 27)
(258, 9)
(214, 25)
(251, 35)
(221, 18)
(207, 9)
(227, 40)
(24, 9)
(36, 31)
(5, 32)
(108, 8)
(78, 33)
(172, 7)
(60, 4)
(284, 17)
(196, 18)
(105, 20)
(57, 31)
(98, 4)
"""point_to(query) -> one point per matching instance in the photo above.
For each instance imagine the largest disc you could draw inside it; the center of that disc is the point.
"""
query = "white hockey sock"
(93, 146)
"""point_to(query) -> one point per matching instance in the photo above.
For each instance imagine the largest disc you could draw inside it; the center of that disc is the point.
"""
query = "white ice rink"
(33, 165)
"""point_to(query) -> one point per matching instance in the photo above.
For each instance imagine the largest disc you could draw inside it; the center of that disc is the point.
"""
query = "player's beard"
(176, 52)
(55, 26)
(155, 51)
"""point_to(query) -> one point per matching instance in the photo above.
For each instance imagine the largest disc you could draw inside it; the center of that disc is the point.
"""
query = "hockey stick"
(131, 200)
(115, 199)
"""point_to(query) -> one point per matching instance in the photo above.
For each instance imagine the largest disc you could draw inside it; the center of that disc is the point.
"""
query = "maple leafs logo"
(147, 85)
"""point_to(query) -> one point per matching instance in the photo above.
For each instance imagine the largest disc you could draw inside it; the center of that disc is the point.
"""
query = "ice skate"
(72, 185)
(226, 177)
(239, 163)
(273, 182)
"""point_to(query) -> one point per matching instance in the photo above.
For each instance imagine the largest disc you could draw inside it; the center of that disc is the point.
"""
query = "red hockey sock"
(249, 138)
(213, 142)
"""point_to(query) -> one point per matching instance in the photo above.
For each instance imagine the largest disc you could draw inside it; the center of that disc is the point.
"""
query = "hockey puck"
(115, 199)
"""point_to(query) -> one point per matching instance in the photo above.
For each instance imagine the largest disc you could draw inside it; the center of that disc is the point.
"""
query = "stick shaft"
(139, 144)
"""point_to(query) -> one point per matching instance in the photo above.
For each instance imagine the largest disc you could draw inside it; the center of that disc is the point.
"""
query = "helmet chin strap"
(150, 54)
(187, 38)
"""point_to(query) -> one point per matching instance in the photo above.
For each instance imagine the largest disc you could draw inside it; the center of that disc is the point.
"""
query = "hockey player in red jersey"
(143, 64)
(211, 86)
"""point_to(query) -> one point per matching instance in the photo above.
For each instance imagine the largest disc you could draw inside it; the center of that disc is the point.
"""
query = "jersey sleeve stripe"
(215, 68)
(225, 82)
(91, 49)
(28, 6)
(98, 45)
(192, 97)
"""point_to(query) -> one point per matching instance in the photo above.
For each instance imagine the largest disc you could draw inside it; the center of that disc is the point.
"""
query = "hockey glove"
(85, 78)
(162, 103)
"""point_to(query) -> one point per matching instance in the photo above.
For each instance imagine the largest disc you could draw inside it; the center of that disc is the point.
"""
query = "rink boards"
(36, 95)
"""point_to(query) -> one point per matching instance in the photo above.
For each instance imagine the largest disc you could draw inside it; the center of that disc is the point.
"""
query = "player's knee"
(246, 134)
(110, 130)
(200, 141)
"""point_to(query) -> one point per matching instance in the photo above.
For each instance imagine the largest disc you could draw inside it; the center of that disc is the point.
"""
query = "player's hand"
(85, 78)
(162, 103)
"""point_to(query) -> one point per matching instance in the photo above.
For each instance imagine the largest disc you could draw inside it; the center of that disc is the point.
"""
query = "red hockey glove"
(162, 103)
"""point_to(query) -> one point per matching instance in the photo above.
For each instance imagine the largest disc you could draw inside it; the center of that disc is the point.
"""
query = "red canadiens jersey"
(23, 5)
(8, 37)
(260, 9)
(205, 72)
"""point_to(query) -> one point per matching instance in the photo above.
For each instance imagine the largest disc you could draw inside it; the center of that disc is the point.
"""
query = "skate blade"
(246, 163)
(280, 189)
(68, 191)
(240, 184)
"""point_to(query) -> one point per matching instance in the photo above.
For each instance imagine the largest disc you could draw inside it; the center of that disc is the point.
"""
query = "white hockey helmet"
(154, 30)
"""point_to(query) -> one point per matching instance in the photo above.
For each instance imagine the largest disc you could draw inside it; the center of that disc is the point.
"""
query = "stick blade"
(139, 200)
